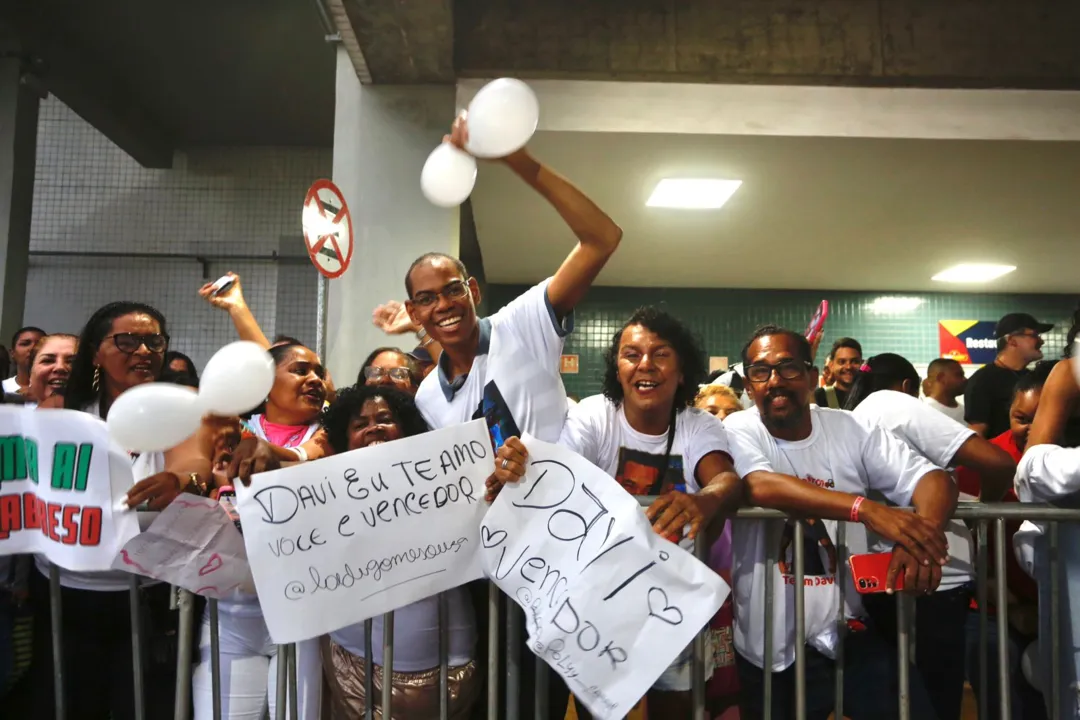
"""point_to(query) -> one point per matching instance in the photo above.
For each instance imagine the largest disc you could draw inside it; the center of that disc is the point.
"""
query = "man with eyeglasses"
(821, 464)
(989, 392)
(506, 367)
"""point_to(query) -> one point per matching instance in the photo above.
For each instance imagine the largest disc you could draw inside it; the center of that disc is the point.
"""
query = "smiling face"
(782, 402)
(299, 389)
(52, 367)
(846, 361)
(123, 369)
(649, 370)
(443, 301)
(372, 425)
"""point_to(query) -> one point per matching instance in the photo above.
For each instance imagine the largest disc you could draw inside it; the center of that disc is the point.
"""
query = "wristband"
(855, 508)
(301, 453)
(421, 334)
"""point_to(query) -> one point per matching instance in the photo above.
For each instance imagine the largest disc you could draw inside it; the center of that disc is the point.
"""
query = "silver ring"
(505, 463)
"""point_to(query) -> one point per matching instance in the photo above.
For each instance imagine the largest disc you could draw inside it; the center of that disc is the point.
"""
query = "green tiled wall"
(724, 319)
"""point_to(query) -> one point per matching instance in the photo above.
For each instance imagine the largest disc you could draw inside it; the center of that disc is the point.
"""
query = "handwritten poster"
(608, 603)
(59, 493)
(343, 539)
(193, 544)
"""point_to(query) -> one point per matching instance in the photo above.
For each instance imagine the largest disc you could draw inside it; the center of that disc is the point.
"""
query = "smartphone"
(870, 571)
(227, 500)
(817, 322)
(222, 284)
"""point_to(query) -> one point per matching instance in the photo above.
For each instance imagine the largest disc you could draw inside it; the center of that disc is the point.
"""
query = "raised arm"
(598, 236)
(232, 301)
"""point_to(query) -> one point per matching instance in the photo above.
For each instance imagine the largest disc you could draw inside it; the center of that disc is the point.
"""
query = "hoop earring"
(97, 379)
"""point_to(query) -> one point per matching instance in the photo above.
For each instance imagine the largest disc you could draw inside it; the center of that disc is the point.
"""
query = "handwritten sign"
(608, 603)
(58, 488)
(192, 544)
(349, 537)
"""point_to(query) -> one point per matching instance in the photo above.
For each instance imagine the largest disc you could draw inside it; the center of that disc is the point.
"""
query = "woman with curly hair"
(644, 432)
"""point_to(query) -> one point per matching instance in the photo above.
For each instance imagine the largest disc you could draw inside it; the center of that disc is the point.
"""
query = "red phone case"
(817, 322)
(869, 572)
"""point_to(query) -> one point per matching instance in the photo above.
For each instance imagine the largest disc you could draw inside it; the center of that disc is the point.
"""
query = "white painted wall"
(382, 136)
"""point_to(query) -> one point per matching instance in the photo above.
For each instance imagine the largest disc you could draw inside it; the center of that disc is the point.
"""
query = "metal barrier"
(287, 690)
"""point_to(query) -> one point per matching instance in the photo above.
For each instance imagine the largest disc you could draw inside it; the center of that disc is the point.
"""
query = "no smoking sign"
(328, 229)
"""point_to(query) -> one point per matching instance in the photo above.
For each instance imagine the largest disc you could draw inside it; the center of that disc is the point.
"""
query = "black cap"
(1015, 322)
(421, 355)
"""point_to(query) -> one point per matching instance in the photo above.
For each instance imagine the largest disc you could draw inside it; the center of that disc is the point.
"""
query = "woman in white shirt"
(885, 393)
(286, 427)
(50, 368)
(362, 416)
(122, 345)
(645, 433)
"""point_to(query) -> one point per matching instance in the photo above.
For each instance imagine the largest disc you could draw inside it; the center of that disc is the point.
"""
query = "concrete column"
(382, 136)
(18, 150)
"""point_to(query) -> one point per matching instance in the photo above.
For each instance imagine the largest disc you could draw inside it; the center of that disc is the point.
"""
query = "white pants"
(249, 661)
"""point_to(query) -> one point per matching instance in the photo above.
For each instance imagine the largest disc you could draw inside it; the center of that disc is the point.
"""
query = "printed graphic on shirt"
(500, 420)
(639, 472)
(818, 549)
(819, 553)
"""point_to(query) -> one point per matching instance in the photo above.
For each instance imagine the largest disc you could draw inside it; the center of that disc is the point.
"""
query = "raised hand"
(393, 319)
(231, 299)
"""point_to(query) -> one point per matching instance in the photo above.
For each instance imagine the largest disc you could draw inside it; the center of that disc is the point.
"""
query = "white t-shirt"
(937, 438)
(11, 386)
(841, 453)
(514, 381)
(1049, 474)
(599, 432)
(954, 413)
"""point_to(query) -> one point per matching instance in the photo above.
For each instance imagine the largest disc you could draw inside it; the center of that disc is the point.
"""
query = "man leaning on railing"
(820, 464)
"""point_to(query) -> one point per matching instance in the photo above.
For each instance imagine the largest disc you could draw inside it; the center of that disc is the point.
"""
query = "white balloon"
(237, 379)
(154, 416)
(502, 118)
(448, 176)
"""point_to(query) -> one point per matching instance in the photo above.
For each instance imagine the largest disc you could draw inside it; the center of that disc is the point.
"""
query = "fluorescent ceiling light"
(973, 273)
(693, 193)
(889, 304)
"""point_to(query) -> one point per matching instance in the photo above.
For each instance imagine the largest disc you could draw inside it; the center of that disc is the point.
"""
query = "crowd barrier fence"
(287, 699)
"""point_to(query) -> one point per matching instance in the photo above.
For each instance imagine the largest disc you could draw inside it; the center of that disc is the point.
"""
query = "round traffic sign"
(328, 229)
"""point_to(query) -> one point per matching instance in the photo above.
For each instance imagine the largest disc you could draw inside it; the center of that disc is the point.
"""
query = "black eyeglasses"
(786, 369)
(131, 342)
(453, 291)
(377, 373)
